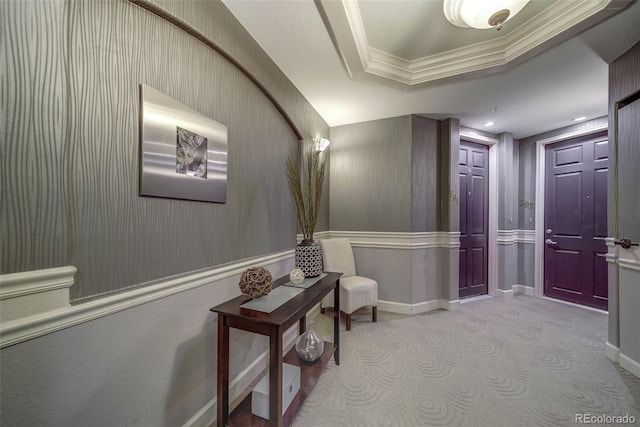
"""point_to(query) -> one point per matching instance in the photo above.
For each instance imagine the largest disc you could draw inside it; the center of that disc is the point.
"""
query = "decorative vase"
(309, 258)
(309, 346)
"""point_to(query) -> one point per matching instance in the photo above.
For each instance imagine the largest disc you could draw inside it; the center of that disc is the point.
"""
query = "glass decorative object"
(309, 346)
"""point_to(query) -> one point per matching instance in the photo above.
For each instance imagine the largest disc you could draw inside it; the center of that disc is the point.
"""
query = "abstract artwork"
(191, 153)
(183, 153)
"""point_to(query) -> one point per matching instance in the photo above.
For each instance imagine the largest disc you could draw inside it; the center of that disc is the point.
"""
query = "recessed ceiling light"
(489, 124)
(579, 119)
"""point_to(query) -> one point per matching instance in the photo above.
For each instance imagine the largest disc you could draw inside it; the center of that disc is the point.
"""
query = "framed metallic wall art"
(183, 154)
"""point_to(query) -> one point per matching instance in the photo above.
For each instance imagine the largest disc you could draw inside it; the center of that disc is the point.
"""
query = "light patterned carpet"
(523, 362)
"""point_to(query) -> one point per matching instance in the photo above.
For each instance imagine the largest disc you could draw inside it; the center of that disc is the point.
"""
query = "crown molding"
(561, 20)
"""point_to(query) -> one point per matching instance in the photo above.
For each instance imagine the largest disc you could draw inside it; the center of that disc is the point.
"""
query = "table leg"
(275, 377)
(223, 371)
(336, 321)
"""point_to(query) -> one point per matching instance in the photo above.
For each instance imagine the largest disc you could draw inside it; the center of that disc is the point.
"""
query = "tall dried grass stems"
(306, 190)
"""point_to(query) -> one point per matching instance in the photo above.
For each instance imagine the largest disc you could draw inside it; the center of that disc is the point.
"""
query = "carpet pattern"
(520, 362)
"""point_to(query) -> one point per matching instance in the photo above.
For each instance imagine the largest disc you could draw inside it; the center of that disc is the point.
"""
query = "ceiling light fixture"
(481, 14)
(580, 119)
(489, 124)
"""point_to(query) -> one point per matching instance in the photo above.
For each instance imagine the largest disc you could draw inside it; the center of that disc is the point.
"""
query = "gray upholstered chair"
(355, 291)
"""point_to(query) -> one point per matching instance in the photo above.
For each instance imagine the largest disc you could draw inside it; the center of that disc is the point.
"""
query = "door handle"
(550, 242)
(625, 243)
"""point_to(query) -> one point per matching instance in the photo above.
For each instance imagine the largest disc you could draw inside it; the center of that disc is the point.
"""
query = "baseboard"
(629, 364)
(501, 293)
(452, 305)
(207, 415)
(522, 289)
(409, 309)
(612, 352)
(421, 307)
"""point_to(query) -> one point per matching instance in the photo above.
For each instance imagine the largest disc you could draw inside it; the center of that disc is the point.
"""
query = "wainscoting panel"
(79, 374)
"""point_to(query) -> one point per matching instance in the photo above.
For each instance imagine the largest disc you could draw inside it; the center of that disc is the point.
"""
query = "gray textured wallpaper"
(371, 176)
(425, 189)
(70, 144)
(33, 131)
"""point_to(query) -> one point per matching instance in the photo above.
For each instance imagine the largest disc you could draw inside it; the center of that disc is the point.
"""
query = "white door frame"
(539, 209)
(492, 143)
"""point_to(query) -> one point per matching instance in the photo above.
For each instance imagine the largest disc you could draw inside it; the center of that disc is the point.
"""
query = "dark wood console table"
(273, 325)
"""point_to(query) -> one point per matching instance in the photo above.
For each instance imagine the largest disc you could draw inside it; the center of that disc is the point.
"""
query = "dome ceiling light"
(481, 14)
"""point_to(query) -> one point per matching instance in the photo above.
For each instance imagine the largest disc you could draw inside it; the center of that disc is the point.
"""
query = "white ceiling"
(546, 92)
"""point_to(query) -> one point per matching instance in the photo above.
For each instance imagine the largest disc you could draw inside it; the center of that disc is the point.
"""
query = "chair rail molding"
(400, 240)
(509, 237)
(54, 311)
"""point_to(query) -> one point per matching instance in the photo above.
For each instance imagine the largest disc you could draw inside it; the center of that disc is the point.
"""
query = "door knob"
(549, 231)
(550, 242)
(625, 243)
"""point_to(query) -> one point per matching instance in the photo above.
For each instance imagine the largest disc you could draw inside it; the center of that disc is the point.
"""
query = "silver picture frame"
(183, 154)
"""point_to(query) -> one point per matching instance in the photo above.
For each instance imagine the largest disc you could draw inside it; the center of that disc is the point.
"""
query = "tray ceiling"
(409, 44)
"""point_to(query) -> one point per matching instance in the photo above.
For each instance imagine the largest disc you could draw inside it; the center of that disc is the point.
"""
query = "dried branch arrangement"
(306, 189)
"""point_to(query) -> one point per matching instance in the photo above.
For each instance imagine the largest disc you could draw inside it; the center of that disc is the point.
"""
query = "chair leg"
(348, 321)
(374, 314)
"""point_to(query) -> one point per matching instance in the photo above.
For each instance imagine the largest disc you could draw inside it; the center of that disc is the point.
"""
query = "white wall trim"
(37, 281)
(408, 309)
(629, 264)
(506, 295)
(525, 236)
(506, 237)
(494, 172)
(422, 307)
(509, 237)
(450, 305)
(522, 289)
(19, 330)
(362, 60)
(612, 352)
(539, 202)
(629, 364)
(400, 240)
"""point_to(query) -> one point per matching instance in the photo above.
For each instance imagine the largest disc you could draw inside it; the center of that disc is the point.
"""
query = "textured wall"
(526, 264)
(70, 166)
(507, 183)
(507, 266)
(526, 185)
(449, 175)
(33, 131)
(624, 81)
(371, 176)
(425, 189)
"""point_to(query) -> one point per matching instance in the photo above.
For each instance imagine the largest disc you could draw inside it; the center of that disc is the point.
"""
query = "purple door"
(575, 222)
(474, 219)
